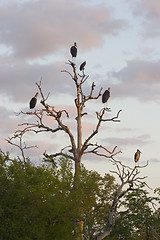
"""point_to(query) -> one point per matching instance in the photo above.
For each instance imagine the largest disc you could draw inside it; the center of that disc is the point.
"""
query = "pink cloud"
(139, 79)
(19, 80)
(129, 141)
(26, 34)
(152, 7)
(149, 13)
(54, 24)
(8, 122)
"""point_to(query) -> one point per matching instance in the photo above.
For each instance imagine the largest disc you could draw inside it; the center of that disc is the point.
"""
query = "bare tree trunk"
(79, 220)
(104, 234)
(77, 173)
(80, 230)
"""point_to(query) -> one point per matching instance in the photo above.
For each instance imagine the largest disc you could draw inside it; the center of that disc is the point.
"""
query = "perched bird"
(106, 96)
(73, 50)
(33, 101)
(137, 155)
(81, 68)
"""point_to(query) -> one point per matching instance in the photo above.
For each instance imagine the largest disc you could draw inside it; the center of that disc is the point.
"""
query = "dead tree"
(77, 149)
(129, 179)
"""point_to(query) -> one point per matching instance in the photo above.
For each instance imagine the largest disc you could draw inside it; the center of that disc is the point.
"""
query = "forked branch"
(22, 146)
(114, 119)
(101, 151)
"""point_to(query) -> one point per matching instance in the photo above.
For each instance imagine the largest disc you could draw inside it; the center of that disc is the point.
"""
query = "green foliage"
(137, 219)
(32, 201)
(41, 202)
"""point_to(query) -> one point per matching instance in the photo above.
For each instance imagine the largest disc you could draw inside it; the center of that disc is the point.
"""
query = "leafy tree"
(39, 202)
(33, 202)
(137, 221)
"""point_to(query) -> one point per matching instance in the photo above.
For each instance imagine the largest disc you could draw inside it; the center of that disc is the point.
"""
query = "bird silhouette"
(106, 96)
(33, 101)
(73, 51)
(81, 68)
(137, 155)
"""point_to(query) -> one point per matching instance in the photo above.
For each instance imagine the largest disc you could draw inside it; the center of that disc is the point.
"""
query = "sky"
(119, 39)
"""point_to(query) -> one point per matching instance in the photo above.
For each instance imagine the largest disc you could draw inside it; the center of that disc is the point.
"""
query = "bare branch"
(61, 153)
(114, 119)
(90, 96)
(85, 144)
(21, 145)
(65, 71)
(39, 87)
(97, 147)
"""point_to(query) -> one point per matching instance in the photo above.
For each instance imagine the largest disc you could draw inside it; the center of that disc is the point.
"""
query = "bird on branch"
(81, 68)
(106, 96)
(33, 101)
(137, 155)
(73, 51)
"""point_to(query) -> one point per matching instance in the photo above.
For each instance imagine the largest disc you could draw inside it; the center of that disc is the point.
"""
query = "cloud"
(154, 160)
(149, 13)
(38, 28)
(8, 122)
(139, 79)
(35, 148)
(31, 41)
(128, 141)
(18, 81)
(117, 130)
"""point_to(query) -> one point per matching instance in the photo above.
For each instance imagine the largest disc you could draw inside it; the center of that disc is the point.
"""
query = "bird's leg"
(106, 108)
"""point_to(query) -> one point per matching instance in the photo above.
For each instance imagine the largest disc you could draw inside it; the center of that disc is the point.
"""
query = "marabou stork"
(106, 96)
(81, 68)
(73, 50)
(33, 101)
(137, 155)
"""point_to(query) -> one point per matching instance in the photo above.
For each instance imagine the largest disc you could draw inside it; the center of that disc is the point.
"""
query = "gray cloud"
(39, 28)
(31, 31)
(129, 141)
(18, 81)
(154, 160)
(149, 13)
(8, 122)
(139, 79)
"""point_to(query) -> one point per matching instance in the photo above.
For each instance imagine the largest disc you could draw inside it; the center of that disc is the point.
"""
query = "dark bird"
(33, 101)
(81, 68)
(106, 96)
(73, 50)
(137, 155)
